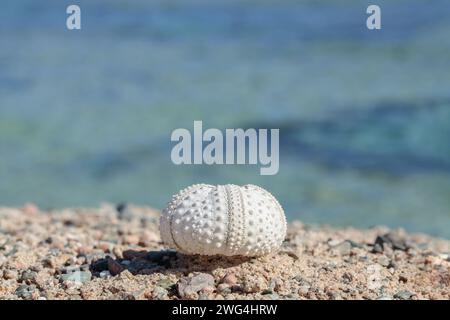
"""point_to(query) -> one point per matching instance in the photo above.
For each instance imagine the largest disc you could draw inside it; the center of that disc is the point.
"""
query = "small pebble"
(160, 293)
(30, 209)
(403, 295)
(229, 279)
(385, 297)
(77, 276)
(165, 283)
(114, 267)
(304, 289)
(9, 274)
(343, 248)
(224, 288)
(105, 274)
(100, 265)
(383, 260)
(25, 291)
(187, 286)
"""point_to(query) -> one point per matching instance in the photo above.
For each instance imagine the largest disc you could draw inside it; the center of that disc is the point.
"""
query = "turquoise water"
(364, 117)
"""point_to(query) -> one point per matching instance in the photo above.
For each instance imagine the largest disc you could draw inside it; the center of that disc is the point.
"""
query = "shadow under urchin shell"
(190, 263)
(164, 261)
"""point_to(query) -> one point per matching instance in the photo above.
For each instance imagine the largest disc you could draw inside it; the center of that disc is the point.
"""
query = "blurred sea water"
(364, 116)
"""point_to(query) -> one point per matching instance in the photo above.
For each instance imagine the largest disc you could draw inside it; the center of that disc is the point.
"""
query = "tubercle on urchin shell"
(166, 219)
(227, 220)
(281, 210)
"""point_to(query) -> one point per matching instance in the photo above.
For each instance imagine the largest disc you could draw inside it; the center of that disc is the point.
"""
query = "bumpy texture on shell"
(225, 220)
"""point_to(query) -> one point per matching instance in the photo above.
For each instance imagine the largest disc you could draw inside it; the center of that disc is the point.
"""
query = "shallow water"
(86, 116)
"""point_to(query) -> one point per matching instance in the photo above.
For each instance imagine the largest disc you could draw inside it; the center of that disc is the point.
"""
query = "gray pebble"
(77, 276)
(25, 291)
(165, 283)
(377, 248)
(355, 244)
(160, 293)
(304, 289)
(393, 240)
(403, 295)
(272, 285)
(203, 296)
(224, 288)
(343, 248)
(190, 285)
(105, 274)
(28, 275)
(273, 296)
(384, 261)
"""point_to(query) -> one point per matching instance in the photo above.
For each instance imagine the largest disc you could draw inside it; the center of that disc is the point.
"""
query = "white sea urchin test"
(223, 220)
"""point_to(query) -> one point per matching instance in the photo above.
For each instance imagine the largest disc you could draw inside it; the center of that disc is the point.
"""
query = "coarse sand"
(115, 253)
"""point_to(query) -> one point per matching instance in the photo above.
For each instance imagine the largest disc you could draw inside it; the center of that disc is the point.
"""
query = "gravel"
(116, 253)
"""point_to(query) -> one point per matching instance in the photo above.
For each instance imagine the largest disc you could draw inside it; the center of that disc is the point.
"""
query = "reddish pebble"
(230, 279)
(30, 209)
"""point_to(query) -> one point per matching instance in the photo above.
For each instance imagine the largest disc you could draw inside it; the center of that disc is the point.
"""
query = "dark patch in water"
(11, 84)
(331, 142)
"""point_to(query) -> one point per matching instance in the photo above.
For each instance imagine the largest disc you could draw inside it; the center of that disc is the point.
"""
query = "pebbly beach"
(115, 252)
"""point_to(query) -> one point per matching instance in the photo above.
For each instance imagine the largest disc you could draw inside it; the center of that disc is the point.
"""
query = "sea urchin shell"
(223, 220)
